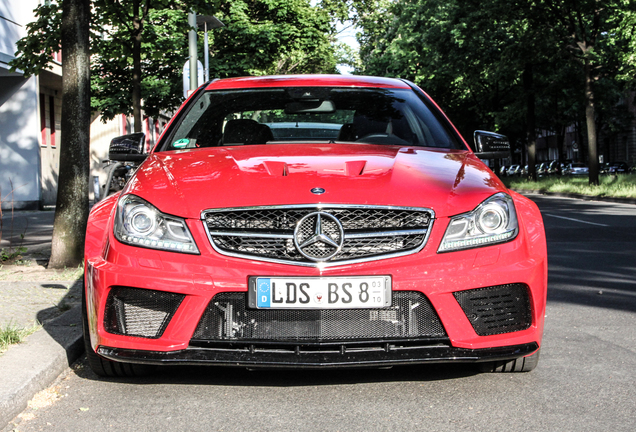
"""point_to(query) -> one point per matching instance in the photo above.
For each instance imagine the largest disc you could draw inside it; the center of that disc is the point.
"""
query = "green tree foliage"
(137, 51)
(490, 62)
(157, 43)
(272, 37)
(139, 47)
(598, 35)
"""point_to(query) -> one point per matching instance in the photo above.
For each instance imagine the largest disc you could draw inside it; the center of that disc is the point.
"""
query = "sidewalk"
(31, 296)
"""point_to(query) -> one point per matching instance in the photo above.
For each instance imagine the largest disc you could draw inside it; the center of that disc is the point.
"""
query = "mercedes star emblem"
(319, 236)
(318, 191)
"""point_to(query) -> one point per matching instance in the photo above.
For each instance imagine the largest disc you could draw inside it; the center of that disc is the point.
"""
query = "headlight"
(493, 221)
(138, 223)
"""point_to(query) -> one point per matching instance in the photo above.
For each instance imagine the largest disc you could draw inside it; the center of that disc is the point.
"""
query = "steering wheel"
(373, 136)
(383, 138)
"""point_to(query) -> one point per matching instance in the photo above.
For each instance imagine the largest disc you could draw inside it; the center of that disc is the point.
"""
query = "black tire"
(521, 364)
(107, 368)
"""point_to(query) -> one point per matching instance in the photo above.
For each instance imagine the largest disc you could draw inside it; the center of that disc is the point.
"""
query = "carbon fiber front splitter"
(357, 357)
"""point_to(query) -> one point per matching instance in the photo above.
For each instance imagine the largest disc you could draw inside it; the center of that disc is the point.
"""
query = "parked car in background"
(578, 168)
(243, 240)
(554, 168)
(514, 171)
(616, 168)
(541, 169)
(503, 171)
(565, 168)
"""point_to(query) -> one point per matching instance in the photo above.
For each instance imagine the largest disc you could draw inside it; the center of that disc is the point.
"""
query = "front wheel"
(104, 367)
(521, 364)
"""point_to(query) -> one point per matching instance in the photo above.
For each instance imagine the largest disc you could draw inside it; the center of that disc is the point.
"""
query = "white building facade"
(30, 118)
(30, 111)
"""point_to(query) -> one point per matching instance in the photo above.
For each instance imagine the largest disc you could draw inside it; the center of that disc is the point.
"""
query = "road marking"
(576, 220)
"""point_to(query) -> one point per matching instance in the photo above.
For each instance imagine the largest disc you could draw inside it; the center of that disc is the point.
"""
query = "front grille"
(227, 319)
(498, 309)
(271, 233)
(140, 312)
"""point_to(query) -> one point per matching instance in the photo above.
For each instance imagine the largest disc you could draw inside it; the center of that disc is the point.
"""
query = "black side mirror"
(489, 145)
(128, 148)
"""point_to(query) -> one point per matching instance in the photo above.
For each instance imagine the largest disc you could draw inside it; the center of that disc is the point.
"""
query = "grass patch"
(11, 254)
(12, 334)
(619, 186)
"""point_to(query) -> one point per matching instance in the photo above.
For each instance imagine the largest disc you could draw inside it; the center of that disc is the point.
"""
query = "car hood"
(183, 183)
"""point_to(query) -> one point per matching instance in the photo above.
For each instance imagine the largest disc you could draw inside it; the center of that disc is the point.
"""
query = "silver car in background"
(578, 168)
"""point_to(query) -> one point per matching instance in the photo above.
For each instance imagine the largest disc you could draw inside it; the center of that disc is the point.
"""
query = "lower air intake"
(140, 312)
(498, 309)
(227, 319)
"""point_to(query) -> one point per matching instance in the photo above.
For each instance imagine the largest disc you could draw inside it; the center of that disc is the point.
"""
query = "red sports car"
(313, 221)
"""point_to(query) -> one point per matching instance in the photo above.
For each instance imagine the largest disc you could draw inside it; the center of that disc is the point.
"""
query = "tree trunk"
(528, 86)
(561, 143)
(136, 77)
(591, 124)
(71, 211)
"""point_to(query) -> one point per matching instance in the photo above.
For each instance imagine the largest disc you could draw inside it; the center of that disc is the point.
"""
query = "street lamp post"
(196, 22)
(192, 48)
(207, 22)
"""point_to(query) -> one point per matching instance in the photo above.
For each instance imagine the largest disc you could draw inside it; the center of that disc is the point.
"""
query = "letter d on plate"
(263, 292)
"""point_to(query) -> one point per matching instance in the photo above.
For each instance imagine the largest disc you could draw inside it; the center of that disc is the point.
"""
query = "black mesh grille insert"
(140, 312)
(227, 319)
(368, 232)
(353, 218)
(498, 309)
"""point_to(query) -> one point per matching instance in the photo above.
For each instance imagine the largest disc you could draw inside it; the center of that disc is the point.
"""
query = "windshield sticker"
(181, 143)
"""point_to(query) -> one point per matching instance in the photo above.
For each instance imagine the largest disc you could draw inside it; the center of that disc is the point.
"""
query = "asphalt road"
(585, 381)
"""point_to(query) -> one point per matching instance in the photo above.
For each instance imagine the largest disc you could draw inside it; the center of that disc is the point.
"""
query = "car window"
(271, 116)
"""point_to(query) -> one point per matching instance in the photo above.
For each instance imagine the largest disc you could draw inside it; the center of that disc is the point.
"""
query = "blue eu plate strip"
(263, 292)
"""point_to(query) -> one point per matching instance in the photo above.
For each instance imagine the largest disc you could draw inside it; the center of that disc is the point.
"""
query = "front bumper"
(297, 357)
(198, 279)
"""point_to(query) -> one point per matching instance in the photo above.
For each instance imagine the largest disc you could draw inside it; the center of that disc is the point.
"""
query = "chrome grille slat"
(267, 233)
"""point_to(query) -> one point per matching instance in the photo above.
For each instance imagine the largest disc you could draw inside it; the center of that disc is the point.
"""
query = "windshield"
(273, 116)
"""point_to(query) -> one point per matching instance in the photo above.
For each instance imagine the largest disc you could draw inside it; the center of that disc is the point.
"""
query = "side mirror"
(489, 145)
(128, 148)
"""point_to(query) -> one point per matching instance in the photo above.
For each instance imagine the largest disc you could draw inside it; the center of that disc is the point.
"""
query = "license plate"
(357, 292)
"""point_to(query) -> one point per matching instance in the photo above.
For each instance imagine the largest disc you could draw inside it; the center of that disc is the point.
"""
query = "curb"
(577, 196)
(33, 365)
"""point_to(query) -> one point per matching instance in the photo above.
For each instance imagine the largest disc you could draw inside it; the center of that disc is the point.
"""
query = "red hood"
(184, 183)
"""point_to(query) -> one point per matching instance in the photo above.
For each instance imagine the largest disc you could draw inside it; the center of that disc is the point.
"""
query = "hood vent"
(354, 168)
(276, 168)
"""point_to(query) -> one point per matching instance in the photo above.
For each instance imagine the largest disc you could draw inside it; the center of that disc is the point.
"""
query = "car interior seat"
(246, 131)
(362, 126)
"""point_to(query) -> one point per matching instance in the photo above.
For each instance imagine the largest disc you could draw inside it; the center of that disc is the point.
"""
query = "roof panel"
(307, 81)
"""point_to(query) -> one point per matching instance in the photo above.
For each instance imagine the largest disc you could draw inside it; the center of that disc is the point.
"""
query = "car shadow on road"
(63, 321)
(270, 377)
(72, 298)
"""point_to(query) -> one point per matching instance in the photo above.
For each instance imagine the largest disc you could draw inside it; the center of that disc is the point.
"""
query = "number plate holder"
(342, 292)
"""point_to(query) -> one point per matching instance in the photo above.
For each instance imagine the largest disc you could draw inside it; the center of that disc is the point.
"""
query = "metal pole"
(206, 53)
(192, 43)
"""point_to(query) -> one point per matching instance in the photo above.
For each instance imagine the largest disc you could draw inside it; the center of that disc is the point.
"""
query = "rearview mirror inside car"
(490, 145)
(310, 106)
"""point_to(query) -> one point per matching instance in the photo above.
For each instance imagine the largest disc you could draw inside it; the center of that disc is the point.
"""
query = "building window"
(52, 119)
(43, 119)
